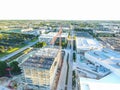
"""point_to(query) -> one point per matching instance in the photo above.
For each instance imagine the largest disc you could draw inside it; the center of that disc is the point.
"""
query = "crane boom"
(55, 37)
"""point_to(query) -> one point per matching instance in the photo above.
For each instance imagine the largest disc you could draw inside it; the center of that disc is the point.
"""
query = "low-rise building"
(109, 82)
(30, 31)
(106, 57)
(48, 37)
(85, 44)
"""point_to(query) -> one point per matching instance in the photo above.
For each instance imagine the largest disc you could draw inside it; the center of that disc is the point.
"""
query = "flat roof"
(40, 58)
(87, 43)
(108, 58)
(104, 53)
(105, 31)
(109, 82)
(3, 88)
(52, 34)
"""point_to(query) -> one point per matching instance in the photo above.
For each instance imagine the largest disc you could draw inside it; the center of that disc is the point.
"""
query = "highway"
(18, 51)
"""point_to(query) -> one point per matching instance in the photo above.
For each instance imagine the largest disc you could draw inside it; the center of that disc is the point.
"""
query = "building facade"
(40, 68)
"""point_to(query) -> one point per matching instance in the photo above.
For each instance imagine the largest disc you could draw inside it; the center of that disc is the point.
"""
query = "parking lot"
(83, 34)
(114, 42)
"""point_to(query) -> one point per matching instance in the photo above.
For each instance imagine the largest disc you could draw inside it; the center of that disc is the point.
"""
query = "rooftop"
(87, 43)
(109, 82)
(90, 69)
(40, 58)
(52, 34)
(108, 58)
(105, 53)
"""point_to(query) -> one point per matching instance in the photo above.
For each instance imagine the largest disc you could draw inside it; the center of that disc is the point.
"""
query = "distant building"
(104, 31)
(26, 30)
(31, 31)
(114, 27)
(42, 31)
(48, 37)
(40, 67)
(64, 28)
(85, 44)
(106, 57)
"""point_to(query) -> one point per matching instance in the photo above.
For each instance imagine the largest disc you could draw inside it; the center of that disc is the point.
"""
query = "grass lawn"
(2, 54)
(13, 58)
(8, 52)
(34, 40)
(27, 50)
(12, 50)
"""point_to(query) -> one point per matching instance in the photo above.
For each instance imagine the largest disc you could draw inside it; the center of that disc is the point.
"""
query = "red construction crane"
(60, 61)
(56, 36)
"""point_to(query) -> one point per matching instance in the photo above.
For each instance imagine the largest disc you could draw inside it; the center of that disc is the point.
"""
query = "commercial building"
(106, 57)
(30, 31)
(109, 82)
(40, 67)
(88, 69)
(85, 44)
(114, 26)
(104, 31)
(48, 37)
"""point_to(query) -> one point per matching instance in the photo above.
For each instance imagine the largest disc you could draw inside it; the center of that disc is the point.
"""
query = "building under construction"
(40, 67)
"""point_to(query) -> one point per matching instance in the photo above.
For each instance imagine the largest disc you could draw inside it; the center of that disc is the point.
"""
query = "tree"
(1, 36)
(40, 44)
(9, 48)
(3, 66)
(2, 49)
(15, 68)
(44, 44)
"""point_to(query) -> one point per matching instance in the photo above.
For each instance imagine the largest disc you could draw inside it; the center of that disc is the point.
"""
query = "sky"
(60, 9)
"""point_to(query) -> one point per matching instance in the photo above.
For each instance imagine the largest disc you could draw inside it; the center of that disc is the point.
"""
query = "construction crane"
(55, 38)
(60, 61)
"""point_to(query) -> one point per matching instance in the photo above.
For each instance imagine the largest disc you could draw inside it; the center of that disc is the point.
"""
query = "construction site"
(42, 67)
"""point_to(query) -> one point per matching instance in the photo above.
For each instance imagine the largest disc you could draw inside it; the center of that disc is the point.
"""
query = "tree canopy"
(3, 66)
(40, 44)
(15, 68)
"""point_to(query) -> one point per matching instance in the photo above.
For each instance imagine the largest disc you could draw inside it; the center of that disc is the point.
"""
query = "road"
(70, 61)
(18, 51)
(62, 79)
